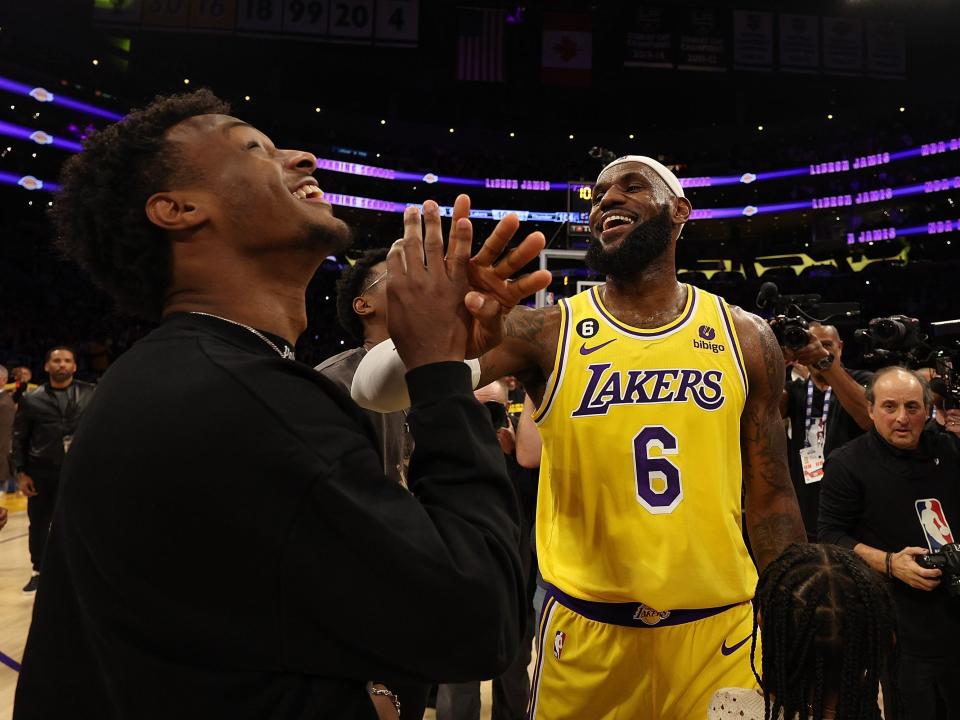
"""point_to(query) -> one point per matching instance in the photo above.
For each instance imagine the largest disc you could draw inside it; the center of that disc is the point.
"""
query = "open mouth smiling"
(614, 225)
(307, 191)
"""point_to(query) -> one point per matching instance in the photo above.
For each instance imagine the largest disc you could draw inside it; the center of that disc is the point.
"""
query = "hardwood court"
(15, 607)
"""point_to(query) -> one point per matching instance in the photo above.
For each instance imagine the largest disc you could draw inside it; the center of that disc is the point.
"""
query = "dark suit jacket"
(7, 412)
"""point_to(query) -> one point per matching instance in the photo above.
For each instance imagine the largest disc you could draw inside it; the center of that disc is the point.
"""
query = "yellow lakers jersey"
(640, 479)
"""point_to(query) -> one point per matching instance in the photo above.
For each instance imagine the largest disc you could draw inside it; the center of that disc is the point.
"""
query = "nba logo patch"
(934, 523)
(558, 641)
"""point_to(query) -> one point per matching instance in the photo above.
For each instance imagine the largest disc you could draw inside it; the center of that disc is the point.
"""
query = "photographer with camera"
(826, 410)
(890, 496)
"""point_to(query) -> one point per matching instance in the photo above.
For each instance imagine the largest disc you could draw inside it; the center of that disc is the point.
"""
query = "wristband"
(889, 573)
(380, 383)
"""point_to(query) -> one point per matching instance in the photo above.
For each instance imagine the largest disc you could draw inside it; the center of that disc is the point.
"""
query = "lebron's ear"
(362, 308)
(175, 211)
(681, 211)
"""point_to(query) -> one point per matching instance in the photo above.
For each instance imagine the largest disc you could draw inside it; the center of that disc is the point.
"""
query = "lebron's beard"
(641, 247)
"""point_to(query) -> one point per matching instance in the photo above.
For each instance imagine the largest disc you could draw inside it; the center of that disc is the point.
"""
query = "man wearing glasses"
(361, 310)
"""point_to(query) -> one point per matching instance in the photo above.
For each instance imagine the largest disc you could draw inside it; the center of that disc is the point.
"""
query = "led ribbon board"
(822, 168)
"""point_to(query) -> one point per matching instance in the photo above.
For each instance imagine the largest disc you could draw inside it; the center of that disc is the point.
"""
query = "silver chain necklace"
(286, 353)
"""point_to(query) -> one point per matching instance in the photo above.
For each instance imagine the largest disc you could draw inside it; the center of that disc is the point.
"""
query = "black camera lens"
(888, 330)
(794, 337)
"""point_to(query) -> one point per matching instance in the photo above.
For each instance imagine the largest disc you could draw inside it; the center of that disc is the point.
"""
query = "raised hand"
(427, 319)
(493, 292)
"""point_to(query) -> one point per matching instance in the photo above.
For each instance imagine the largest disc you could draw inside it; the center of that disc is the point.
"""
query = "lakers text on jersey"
(640, 484)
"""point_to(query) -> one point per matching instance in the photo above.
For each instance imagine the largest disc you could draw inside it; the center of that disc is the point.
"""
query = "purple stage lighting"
(37, 136)
(21, 89)
(942, 226)
(27, 182)
(835, 166)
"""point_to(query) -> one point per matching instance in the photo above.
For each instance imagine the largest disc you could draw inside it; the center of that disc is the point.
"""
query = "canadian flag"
(567, 49)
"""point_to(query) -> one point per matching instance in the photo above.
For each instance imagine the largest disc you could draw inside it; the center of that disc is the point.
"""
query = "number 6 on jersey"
(659, 488)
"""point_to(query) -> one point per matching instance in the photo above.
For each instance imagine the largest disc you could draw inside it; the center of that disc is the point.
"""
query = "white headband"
(659, 168)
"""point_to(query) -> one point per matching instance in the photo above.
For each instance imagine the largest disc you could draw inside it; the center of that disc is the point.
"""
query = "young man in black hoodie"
(238, 603)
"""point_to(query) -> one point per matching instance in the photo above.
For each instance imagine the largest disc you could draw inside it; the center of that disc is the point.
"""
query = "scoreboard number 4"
(397, 21)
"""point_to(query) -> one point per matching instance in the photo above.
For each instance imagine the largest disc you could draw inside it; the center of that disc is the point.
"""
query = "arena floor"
(15, 607)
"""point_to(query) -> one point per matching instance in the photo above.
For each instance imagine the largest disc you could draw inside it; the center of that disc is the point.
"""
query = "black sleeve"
(433, 577)
(20, 447)
(840, 501)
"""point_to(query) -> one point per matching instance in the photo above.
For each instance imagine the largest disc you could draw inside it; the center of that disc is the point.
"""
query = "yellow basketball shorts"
(625, 661)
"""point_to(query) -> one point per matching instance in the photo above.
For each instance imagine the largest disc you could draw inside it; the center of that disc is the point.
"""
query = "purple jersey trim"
(725, 314)
(644, 334)
(545, 615)
(562, 350)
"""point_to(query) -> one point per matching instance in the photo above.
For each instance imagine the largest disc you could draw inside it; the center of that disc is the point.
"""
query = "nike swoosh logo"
(584, 350)
(724, 650)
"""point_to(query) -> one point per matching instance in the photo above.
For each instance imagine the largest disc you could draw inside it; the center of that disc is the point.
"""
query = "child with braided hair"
(828, 627)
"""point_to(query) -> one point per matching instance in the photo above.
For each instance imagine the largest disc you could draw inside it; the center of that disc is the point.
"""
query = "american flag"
(480, 45)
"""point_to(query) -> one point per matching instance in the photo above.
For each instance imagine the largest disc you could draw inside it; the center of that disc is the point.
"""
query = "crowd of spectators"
(56, 304)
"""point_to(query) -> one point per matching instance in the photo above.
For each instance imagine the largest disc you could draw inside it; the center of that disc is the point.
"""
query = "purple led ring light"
(37, 136)
(931, 228)
(365, 203)
(28, 182)
(21, 89)
(388, 174)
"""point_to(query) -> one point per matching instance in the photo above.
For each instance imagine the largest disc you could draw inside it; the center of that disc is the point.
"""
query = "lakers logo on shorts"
(649, 616)
(558, 641)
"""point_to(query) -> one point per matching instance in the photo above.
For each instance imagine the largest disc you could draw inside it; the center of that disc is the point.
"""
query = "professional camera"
(792, 314)
(946, 559)
(891, 340)
(946, 359)
(791, 332)
(895, 331)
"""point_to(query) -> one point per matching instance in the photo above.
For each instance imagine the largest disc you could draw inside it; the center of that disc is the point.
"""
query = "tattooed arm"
(528, 349)
(773, 516)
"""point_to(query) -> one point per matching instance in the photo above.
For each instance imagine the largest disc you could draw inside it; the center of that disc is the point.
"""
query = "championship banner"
(752, 40)
(650, 39)
(377, 22)
(703, 40)
(886, 50)
(567, 49)
(842, 46)
(799, 43)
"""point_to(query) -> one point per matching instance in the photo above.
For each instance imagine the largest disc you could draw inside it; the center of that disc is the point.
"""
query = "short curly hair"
(51, 351)
(350, 285)
(99, 214)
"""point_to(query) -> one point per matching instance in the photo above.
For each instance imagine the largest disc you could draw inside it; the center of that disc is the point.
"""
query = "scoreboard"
(579, 201)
